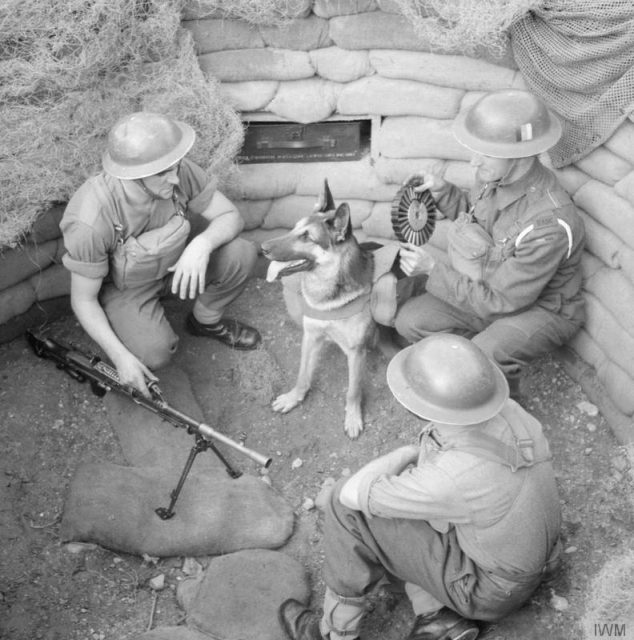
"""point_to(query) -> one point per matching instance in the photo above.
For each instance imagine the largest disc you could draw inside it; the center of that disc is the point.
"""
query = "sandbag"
(349, 181)
(52, 282)
(268, 180)
(113, 506)
(617, 382)
(375, 30)
(304, 34)
(15, 300)
(460, 72)
(601, 242)
(607, 332)
(379, 223)
(340, 65)
(616, 294)
(239, 594)
(307, 100)
(218, 35)
(418, 137)
(256, 64)
(249, 96)
(571, 178)
(172, 633)
(608, 208)
(22, 262)
(621, 141)
(625, 187)
(46, 226)
(390, 97)
(253, 212)
(604, 165)
(330, 8)
(149, 441)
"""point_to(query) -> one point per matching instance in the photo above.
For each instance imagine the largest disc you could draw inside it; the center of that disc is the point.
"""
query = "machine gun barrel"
(83, 366)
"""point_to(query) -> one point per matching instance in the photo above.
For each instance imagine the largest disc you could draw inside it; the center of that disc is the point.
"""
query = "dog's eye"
(304, 236)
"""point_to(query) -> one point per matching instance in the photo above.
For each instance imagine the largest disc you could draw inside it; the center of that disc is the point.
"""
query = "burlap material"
(113, 506)
(172, 633)
(147, 440)
(239, 595)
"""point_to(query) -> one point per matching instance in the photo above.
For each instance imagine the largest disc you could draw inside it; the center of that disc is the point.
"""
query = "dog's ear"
(326, 201)
(341, 223)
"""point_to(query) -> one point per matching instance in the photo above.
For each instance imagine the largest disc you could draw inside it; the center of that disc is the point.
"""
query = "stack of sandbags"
(34, 285)
(602, 187)
(350, 59)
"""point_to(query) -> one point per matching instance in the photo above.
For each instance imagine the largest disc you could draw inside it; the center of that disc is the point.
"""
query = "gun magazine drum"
(413, 215)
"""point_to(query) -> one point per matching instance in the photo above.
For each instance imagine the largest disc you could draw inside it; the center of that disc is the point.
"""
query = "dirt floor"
(51, 423)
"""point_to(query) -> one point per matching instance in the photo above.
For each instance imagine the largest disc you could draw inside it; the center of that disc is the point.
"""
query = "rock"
(588, 408)
(297, 463)
(559, 603)
(157, 583)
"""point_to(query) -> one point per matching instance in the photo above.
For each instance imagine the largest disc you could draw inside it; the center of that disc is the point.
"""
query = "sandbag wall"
(34, 285)
(356, 59)
(602, 187)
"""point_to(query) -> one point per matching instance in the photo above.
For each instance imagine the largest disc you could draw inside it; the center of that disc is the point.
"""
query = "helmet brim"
(411, 399)
(136, 172)
(496, 149)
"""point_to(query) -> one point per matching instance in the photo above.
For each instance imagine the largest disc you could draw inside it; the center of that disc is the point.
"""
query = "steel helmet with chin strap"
(144, 143)
(446, 378)
(510, 123)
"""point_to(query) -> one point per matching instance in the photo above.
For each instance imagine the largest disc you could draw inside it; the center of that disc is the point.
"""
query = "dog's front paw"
(353, 425)
(287, 401)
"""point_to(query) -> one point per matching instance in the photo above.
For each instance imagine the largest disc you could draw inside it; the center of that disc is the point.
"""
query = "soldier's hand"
(429, 179)
(191, 268)
(414, 260)
(133, 373)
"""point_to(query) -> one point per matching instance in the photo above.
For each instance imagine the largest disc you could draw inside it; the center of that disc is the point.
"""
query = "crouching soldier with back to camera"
(148, 225)
(468, 520)
(513, 281)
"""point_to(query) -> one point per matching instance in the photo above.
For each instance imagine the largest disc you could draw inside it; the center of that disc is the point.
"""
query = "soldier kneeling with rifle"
(468, 519)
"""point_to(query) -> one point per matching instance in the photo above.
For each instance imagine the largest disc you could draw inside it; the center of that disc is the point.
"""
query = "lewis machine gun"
(83, 366)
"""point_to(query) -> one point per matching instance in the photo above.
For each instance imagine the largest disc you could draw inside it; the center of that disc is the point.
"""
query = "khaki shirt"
(100, 207)
(538, 240)
(506, 520)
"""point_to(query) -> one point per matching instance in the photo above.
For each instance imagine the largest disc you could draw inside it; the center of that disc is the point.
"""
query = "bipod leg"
(200, 445)
(234, 473)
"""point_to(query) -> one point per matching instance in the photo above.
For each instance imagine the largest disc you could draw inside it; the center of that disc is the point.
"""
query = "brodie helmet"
(143, 143)
(448, 379)
(511, 123)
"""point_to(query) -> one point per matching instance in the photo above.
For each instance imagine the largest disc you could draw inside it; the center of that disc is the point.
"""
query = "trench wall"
(343, 60)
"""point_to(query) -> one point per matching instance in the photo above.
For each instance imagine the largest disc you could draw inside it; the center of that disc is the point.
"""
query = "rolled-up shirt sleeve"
(425, 492)
(86, 253)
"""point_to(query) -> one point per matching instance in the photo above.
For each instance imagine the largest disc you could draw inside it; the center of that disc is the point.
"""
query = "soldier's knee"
(159, 354)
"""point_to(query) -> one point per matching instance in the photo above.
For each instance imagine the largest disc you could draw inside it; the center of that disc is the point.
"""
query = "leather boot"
(233, 333)
(299, 622)
(443, 624)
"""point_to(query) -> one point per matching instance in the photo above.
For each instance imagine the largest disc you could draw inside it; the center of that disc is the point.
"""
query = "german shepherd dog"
(333, 300)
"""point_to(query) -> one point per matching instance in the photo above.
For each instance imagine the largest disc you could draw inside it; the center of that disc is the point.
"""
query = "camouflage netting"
(69, 70)
(579, 56)
(466, 26)
(255, 12)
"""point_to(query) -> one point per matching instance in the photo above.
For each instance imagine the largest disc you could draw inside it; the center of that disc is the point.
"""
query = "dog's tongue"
(274, 270)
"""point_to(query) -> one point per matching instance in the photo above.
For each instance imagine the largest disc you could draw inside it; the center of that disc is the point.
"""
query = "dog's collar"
(347, 310)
